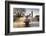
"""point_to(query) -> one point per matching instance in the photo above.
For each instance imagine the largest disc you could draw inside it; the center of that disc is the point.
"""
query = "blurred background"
(20, 14)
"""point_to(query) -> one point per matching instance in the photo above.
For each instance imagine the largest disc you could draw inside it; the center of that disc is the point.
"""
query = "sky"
(29, 10)
(35, 12)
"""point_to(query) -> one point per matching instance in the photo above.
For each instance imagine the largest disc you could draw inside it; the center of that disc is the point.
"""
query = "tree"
(18, 12)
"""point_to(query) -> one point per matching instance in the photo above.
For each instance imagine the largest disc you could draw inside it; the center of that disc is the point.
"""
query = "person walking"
(27, 22)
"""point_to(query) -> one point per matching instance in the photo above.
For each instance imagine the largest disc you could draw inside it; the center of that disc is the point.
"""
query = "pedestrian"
(27, 22)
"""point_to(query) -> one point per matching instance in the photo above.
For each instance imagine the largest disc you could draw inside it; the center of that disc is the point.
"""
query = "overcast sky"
(35, 12)
(29, 10)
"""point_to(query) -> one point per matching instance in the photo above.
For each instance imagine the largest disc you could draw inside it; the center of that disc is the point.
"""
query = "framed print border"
(7, 17)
